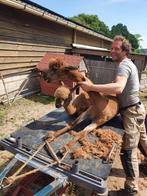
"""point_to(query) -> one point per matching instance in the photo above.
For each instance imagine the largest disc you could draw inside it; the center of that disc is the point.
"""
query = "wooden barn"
(28, 31)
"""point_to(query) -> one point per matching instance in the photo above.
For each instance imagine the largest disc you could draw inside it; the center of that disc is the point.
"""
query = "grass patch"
(37, 98)
(3, 112)
(2, 135)
(4, 109)
(42, 99)
(143, 95)
(34, 98)
(22, 101)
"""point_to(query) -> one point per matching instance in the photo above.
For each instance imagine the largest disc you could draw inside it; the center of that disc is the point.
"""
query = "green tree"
(139, 39)
(133, 41)
(121, 29)
(92, 22)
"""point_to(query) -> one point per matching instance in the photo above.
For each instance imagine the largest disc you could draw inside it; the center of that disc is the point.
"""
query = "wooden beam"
(3, 81)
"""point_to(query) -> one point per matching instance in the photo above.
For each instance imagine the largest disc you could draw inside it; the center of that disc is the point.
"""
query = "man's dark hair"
(126, 46)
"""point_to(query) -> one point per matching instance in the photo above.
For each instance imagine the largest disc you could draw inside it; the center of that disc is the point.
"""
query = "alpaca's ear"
(84, 78)
(55, 64)
(62, 83)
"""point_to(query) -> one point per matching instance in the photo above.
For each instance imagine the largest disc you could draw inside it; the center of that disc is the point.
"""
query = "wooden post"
(3, 81)
(19, 91)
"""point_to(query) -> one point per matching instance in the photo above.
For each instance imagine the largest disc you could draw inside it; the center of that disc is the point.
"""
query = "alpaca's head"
(62, 94)
(58, 70)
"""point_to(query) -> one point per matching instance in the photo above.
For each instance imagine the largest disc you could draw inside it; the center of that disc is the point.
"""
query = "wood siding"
(86, 39)
(100, 71)
(103, 72)
(24, 40)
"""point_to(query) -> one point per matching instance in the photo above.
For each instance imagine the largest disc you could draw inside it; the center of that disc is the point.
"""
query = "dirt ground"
(25, 110)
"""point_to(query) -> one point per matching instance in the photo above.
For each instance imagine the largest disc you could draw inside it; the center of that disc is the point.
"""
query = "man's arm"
(116, 87)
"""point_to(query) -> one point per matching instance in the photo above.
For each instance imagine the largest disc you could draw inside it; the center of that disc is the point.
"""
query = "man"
(126, 87)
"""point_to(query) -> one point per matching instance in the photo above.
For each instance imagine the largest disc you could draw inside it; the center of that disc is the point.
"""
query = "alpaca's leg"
(78, 136)
(102, 119)
(82, 117)
(98, 122)
(54, 134)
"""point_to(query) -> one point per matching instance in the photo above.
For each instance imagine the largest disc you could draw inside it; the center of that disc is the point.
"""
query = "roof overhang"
(81, 46)
(91, 50)
(40, 11)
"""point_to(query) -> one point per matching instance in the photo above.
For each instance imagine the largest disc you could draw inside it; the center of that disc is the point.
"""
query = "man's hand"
(86, 85)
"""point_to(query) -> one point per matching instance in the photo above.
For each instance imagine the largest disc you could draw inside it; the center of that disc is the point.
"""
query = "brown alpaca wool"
(100, 148)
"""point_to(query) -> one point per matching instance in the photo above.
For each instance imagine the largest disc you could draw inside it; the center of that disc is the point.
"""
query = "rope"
(8, 181)
(30, 158)
(11, 179)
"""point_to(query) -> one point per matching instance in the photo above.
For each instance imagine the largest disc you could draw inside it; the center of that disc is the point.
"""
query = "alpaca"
(77, 107)
(73, 106)
(102, 108)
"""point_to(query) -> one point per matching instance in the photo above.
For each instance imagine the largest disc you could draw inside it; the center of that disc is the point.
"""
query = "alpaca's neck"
(69, 108)
(92, 94)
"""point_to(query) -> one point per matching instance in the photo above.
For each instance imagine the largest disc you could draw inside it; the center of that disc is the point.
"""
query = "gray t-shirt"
(130, 94)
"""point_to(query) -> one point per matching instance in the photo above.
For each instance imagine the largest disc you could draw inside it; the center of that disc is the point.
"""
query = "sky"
(132, 13)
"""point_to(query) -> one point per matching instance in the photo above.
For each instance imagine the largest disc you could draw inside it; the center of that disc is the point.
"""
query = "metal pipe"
(75, 167)
(19, 142)
(24, 95)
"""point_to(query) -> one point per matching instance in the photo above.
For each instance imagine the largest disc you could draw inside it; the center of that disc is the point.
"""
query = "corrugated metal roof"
(34, 8)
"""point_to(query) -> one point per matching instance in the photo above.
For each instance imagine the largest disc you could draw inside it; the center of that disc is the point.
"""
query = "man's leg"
(129, 156)
(129, 161)
(143, 149)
